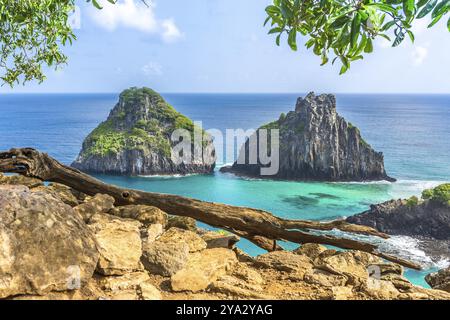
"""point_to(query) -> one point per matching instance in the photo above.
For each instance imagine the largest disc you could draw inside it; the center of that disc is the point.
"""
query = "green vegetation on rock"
(412, 201)
(271, 125)
(150, 128)
(439, 194)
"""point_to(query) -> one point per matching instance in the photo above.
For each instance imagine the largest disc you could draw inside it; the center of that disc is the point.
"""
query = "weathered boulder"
(89, 291)
(124, 282)
(45, 244)
(165, 258)
(65, 194)
(247, 274)
(324, 278)
(145, 214)
(203, 268)
(20, 180)
(315, 143)
(100, 203)
(152, 233)
(311, 250)
(193, 240)
(147, 291)
(136, 139)
(354, 264)
(439, 280)
(284, 261)
(119, 244)
(219, 240)
(186, 223)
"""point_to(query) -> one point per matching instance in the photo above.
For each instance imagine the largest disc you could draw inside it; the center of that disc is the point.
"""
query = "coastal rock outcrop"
(136, 140)
(426, 219)
(315, 143)
(439, 280)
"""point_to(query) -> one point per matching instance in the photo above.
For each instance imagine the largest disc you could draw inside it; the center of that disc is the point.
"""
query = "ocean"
(412, 131)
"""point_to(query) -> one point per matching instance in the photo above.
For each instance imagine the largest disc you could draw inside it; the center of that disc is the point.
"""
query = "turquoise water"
(412, 131)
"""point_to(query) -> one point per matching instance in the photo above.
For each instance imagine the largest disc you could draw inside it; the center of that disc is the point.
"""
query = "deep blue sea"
(413, 132)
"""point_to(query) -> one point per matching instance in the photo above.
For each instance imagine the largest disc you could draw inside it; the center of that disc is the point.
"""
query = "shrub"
(439, 194)
(412, 202)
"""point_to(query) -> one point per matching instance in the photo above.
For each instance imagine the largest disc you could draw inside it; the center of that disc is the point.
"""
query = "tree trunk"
(258, 226)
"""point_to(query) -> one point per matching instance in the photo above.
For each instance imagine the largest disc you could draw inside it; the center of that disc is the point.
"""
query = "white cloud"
(171, 32)
(152, 69)
(133, 14)
(419, 54)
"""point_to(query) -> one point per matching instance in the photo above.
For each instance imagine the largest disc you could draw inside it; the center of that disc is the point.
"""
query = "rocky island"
(136, 139)
(318, 144)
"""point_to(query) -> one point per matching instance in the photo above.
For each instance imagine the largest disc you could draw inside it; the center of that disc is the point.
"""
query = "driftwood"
(260, 227)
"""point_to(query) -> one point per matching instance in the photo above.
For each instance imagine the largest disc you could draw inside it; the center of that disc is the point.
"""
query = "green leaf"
(362, 44)
(324, 59)
(421, 3)
(399, 39)
(383, 7)
(388, 25)
(272, 10)
(427, 9)
(411, 35)
(369, 46)
(448, 24)
(360, 57)
(345, 61)
(440, 9)
(96, 4)
(408, 8)
(343, 70)
(356, 27)
(435, 20)
(275, 30)
(277, 40)
(385, 36)
(292, 39)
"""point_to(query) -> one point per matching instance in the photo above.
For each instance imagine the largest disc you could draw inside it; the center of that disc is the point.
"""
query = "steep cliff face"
(318, 144)
(136, 139)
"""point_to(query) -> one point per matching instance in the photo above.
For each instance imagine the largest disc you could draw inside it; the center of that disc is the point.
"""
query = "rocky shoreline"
(426, 219)
(61, 244)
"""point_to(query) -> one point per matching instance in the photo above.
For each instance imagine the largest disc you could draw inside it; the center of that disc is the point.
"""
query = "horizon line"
(230, 92)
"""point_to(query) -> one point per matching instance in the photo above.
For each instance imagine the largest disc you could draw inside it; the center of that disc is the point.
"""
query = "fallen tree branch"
(258, 226)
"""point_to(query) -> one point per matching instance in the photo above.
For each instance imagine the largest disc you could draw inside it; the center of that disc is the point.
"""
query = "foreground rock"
(119, 244)
(136, 139)
(317, 144)
(202, 269)
(45, 245)
(51, 252)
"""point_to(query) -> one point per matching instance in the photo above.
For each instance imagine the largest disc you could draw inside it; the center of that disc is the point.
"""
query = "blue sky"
(221, 46)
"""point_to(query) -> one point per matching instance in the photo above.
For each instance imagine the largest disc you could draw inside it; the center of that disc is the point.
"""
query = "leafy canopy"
(345, 29)
(32, 34)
